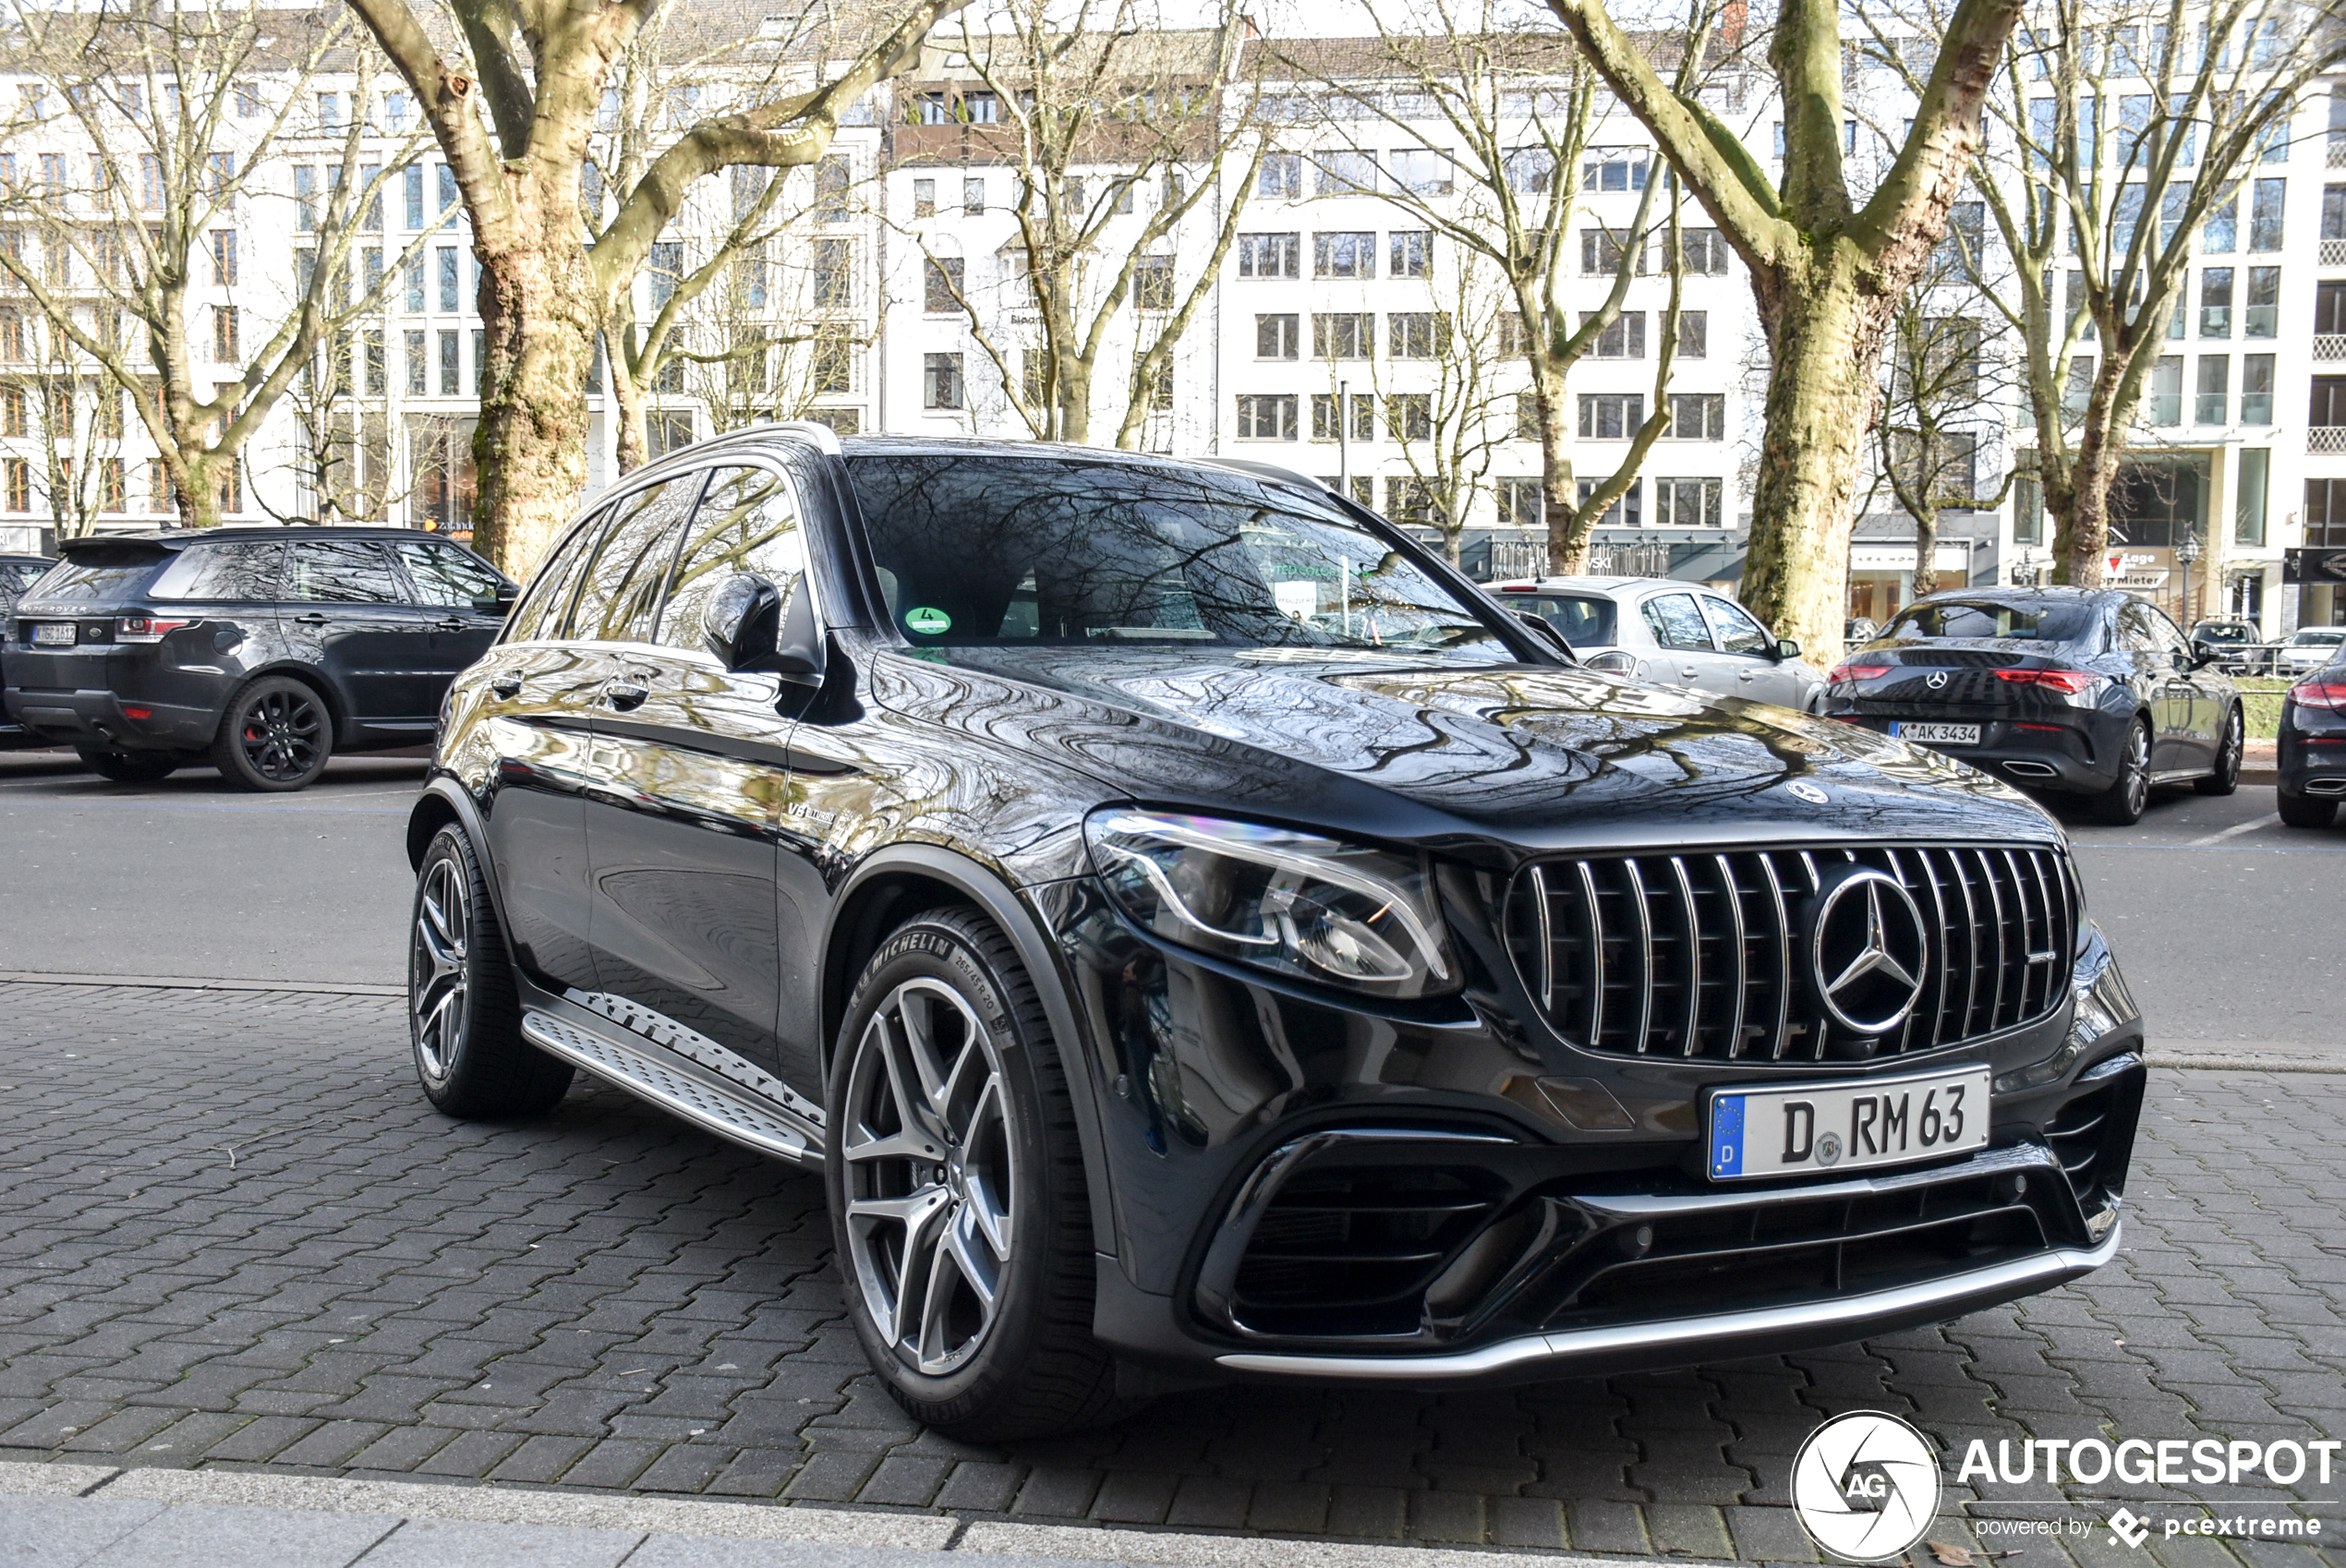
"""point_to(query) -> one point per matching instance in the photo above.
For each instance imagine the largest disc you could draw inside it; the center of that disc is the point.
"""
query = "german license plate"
(1808, 1129)
(1935, 734)
(53, 633)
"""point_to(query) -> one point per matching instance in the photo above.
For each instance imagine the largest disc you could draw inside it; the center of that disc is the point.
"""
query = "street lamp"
(2187, 552)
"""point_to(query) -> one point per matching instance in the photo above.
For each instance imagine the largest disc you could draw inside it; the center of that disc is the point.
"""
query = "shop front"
(1882, 574)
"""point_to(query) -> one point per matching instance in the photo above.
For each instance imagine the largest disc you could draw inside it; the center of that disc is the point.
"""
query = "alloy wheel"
(279, 734)
(931, 1175)
(435, 974)
(2138, 770)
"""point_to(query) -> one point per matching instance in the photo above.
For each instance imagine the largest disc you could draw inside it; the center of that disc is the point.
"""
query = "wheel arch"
(901, 881)
(338, 705)
(444, 803)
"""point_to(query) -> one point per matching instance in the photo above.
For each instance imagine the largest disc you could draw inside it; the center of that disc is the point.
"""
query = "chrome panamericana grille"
(1705, 956)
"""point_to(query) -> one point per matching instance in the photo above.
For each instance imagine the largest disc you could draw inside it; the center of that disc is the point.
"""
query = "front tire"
(957, 1192)
(2123, 805)
(464, 1019)
(129, 768)
(2305, 810)
(276, 734)
(2226, 779)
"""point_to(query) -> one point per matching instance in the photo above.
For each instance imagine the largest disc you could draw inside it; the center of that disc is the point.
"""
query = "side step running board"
(700, 1100)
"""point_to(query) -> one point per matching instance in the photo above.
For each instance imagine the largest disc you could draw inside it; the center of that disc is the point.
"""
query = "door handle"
(625, 694)
(312, 619)
(506, 685)
(1687, 672)
(451, 625)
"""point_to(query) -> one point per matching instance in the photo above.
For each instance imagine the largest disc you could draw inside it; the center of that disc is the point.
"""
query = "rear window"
(230, 571)
(1585, 622)
(2320, 639)
(94, 578)
(1968, 620)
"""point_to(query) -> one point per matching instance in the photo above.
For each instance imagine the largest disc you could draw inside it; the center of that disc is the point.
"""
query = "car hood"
(1533, 757)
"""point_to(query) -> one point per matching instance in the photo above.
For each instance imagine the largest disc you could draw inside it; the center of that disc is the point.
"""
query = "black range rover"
(1196, 934)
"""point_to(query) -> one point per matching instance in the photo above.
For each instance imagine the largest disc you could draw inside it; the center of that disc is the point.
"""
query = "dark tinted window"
(747, 522)
(1022, 551)
(618, 601)
(1585, 622)
(341, 571)
(15, 578)
(242, 570)
(447, 576)
(94, 578)
(1961, 619)
(539, 613)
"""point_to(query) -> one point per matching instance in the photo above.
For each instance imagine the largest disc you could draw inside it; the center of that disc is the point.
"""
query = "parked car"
(2239, 646)
(2312, 777)
(1198, 934)
(2307, 649)
(1669, 633)
(262, 650)
(17, 572)
(2091, 692)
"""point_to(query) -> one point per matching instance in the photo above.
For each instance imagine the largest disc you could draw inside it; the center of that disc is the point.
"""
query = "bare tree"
(513, 112)
(1449, 425)
(2100, 217)
(1827, 269)
(77, 420)
(184, 119)
(1118, 134)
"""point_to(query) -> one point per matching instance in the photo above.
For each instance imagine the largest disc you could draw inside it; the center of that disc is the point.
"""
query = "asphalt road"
(2226, 922)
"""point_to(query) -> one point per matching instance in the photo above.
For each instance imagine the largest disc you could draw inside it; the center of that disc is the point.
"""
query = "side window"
(539, 613)
(341, 571)
(446, 576)
(1675, 621)
(2165, 637)
(227, 572)
(747, 522)
(1739, 634)
(2134, 634)
(619, 597)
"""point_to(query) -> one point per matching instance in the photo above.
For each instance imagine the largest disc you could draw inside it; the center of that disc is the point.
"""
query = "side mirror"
(1786, 649)
(749, 625)
(2202, 656)
(502, 605)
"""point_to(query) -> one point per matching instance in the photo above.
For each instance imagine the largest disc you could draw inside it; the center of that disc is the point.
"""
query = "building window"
(2256, 389)
(1624, 337)
(1627, 509)
(1705, 251)
(924, 199)
(18, 473)
(2216, 302)
(1344, 174)
(114, 491)
(1698, 416)
(1270, 256)
(2265, 214)
(831, 179)
(412, 351)
(666, 270)
(1615, 168)
(1326, 420)
(2262, 317)
(1521, 505)
(447, 263)
(223, 257)
(941, 286)
(1602, 252)
(1265, 417)
(974, 195)
(1409, 417)
(1417, 334)
(1281, 177)
(1411, 500)
(1153, 283)
(833, 366)
(1693, 503)
(1694, 335)
(223, 335)
(411, 192)
(451, 368)
(2166, 402)
(1421, 171)
(1344, 255)
(1412, 253)
(1274, 337)
(12, 413)
(2213, 404)
(1347, 334)
(834, 274)
(981, 109)
(941, 380)
(305, 198)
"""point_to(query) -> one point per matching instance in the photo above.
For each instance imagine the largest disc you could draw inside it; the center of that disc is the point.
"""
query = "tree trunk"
(2079, 499)
(1559, 490)
(1824, 393)
(537, 311)
(1075, 400)
(633, 446)
(1927, 549)
(197, 488)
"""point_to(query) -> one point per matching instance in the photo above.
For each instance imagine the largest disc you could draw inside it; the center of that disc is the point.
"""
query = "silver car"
(2308, 648)
(1669, 633)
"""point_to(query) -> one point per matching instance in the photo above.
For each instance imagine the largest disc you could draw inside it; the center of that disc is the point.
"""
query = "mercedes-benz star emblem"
(1801, 790)
(1867, 951)
(1938, 682)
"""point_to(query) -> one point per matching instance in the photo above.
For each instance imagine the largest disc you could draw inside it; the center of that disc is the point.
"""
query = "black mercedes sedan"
(2312, 777)
(1196, 933)
(2087, 692)
(260, 650)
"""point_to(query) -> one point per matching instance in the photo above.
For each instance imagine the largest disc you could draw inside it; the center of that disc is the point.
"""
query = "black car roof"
(179, 539)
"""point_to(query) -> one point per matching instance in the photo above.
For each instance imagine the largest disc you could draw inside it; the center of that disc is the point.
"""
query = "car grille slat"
(1703, 957)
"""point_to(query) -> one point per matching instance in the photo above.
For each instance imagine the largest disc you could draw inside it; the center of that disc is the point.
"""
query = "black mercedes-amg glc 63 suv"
(1196, 933)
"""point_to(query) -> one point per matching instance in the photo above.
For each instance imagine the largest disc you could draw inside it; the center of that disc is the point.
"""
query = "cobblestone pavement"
(233, 1234)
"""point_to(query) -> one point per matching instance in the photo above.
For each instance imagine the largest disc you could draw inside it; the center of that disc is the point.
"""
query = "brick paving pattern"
(232, 1232)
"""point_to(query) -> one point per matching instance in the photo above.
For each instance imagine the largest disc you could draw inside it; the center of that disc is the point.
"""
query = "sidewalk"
(67, 1515)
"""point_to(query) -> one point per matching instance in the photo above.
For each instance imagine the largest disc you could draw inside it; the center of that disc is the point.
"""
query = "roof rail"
(1268, 471)
(825, 439)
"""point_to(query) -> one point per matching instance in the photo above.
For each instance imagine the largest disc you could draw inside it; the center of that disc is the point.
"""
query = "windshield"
(1969, 620)
(2320, 639)
(1584, 621)
(1007, 551)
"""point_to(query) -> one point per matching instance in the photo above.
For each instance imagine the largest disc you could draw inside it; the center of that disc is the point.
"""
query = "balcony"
(2328, 347)
(2334, 253)
(2324, 440)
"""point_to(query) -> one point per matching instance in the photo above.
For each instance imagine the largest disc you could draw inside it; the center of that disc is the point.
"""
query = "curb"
(799, 1523)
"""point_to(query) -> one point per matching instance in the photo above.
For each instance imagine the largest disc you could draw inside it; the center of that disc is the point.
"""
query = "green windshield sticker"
(929, 622)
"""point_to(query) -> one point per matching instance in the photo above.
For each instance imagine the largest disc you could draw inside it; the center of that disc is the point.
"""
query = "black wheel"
(275, 735)
(957, 1190)
(463, 1018)
(2305, 810)
(2226, 779)
(2121, 805)
(129, 768)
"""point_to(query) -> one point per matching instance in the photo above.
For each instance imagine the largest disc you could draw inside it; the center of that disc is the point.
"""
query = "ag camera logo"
(1865, 1487)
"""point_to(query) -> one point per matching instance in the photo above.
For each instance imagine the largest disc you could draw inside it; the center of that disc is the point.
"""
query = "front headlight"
(1290, 902)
